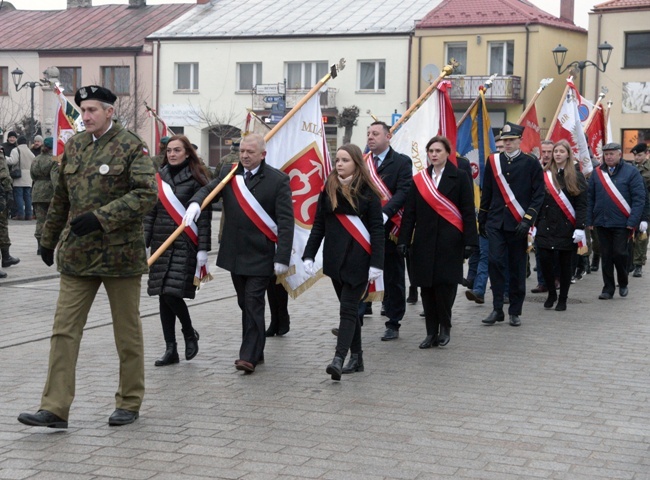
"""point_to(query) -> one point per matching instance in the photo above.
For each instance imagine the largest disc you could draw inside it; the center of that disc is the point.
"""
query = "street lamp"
(604, 52)
(17, 76)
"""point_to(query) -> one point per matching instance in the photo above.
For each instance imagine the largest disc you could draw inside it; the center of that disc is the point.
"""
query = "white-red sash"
(436, 200)
(508, 195)
(253, 209)
(560, 198)
(385, 195)
(613, 193)
(355, 227)
(175, 208)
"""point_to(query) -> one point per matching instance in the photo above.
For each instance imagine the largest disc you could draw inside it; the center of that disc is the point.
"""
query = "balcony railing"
(506, 89)
(327, 99)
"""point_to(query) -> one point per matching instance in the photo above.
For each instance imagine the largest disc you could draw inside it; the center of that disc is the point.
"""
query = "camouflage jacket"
(6, 185)
(43, 177)
(644, 170)
(114, 179)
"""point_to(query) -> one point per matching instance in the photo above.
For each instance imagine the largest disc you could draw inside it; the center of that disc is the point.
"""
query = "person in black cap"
(642, 163)
(512, 195)
(10, 144)
(615, 202)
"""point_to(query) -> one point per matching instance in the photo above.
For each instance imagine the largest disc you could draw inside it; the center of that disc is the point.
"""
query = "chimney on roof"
(80, 3)
(202, 2)
(566, 10)
(137, 3)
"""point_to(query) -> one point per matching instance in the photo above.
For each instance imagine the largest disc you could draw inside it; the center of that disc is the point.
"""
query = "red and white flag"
(447, 118)
(299, 149)
(596, 133)
(569, 127)
(161, 128)
(531, 141)
(67, 122)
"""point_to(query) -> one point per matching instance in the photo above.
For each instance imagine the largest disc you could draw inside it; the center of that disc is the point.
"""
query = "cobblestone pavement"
(564, 396)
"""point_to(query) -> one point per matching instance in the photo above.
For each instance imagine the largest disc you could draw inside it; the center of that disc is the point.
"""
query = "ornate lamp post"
(17, 76)
(604, 52)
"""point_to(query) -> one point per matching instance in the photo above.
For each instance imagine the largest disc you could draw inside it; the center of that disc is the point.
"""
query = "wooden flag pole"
(597, 105)
(486, 86)
(559, 107)
(257, 117)
(609, 107)
(446, 70)
(332, 74)
(545, 82)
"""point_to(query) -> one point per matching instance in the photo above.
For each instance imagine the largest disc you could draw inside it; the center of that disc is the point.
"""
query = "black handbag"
(14, 170)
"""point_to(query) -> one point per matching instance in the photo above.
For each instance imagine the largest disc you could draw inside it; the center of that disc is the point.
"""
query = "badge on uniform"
(104, 169)
(83, 93)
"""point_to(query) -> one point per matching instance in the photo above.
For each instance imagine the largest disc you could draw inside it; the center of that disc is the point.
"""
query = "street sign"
(395, 117)
(275, 118)
(270, 89)
(272, 99)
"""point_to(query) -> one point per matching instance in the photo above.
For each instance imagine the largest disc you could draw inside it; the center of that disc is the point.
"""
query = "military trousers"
(76, 296)
(4, 230)
(640, 250)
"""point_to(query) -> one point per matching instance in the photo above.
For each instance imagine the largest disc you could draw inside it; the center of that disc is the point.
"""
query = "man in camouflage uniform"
(642, 163)
(106, 186)
(6, 200)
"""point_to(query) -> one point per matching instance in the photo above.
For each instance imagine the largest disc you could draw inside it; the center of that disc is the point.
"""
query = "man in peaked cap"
(512, 195)
(106, 186)
(642, 163)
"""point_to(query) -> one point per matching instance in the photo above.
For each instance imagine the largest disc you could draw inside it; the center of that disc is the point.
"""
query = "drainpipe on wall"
(157, 87)
(135, 91)
(525, 102)
(598, 32)
(419, 66)
(408, 72)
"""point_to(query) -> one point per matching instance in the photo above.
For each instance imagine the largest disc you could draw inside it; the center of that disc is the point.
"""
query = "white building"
(208, 62)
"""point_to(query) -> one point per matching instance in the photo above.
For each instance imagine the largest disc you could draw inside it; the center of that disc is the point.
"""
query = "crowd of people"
(111, 202)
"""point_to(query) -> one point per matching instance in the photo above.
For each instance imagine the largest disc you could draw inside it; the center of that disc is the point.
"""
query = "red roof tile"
(469, 13)
(85, 28)
(621, 5)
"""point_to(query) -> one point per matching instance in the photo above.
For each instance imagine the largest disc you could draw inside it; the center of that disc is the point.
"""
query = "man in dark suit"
(249, 250)
(507, 233)
(396, 172)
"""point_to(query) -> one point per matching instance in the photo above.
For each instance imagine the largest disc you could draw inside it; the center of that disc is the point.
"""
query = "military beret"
(612, 146)
(94, 92)
(49, 142)
(165, 140)
(511, 130)
(12, 134)
(640, 148)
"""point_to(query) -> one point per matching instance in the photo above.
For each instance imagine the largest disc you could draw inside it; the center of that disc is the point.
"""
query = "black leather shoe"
(422, 314)
(494, 317)
(473, 297)
(169, 357)
(550, 301)
(335, 332)
(122, 417)
(355, 364)
(561, 306)
(283, 331)
(444, 337)
(623, 291)
(515, 321)
(429, 341)
(3, 274)
(335, 369)
(412, 299)
(191, 344)
(42, 418)
(270, 332)
(605, 296)
(368, 308)
(390, 334)
(638, 271)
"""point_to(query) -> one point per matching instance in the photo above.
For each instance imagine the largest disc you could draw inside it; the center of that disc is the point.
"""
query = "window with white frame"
(372, 75)
(248, 75)
(501, 57)
(187, 77)
(457, 51)
(303, 75)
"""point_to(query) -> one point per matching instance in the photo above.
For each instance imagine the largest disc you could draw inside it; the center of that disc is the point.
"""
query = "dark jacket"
(602, 211)
(173, 272)
(396, 171)
(554, 230)
(244, 249)
(344, 259)
(438, 246)
(524, 176)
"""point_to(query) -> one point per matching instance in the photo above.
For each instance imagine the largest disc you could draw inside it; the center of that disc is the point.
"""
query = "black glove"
(468, 251)
(85, 224)
(403, 250)
(47, 254)
(481, 230)
(522, 229)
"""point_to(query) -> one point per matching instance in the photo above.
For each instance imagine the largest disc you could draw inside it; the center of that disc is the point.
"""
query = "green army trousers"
(640, 250)
(76, 296)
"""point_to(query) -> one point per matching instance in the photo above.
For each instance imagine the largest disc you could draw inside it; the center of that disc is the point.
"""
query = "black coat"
(344, 259)
(396, 171)
(554, 230)
(438, 246)
(244, 249)
(173, 272)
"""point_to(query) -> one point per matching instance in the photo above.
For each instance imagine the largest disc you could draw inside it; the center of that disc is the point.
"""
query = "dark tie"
(376, 160)
(247, 176)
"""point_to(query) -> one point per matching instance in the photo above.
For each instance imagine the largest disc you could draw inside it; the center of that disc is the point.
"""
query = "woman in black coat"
(349, 198)
(172, 275)
(443, 236)
(556, 232)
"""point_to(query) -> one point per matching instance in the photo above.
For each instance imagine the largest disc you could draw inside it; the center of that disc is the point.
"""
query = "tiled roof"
(103, 27)
(470, 13)
(621, 5)
(277, 18)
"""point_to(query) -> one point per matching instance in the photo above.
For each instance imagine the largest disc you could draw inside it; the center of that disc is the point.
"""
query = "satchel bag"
(15, 171)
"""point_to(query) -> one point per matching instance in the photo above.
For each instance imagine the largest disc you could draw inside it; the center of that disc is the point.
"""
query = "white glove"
(579, 236)
(202, 258)
(374, 274)
(280, 269)
(192, 213)
(385, 217)
(308, 264)
(643, 227)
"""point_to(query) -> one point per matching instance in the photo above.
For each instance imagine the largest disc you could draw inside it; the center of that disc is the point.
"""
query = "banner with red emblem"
(299, 149)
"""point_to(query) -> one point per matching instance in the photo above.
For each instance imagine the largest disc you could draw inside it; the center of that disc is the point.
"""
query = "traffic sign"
(275, 118)
(269, 89)
(272, 99)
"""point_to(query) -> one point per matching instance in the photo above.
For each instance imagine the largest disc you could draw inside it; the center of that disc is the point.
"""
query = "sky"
(582, 7)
